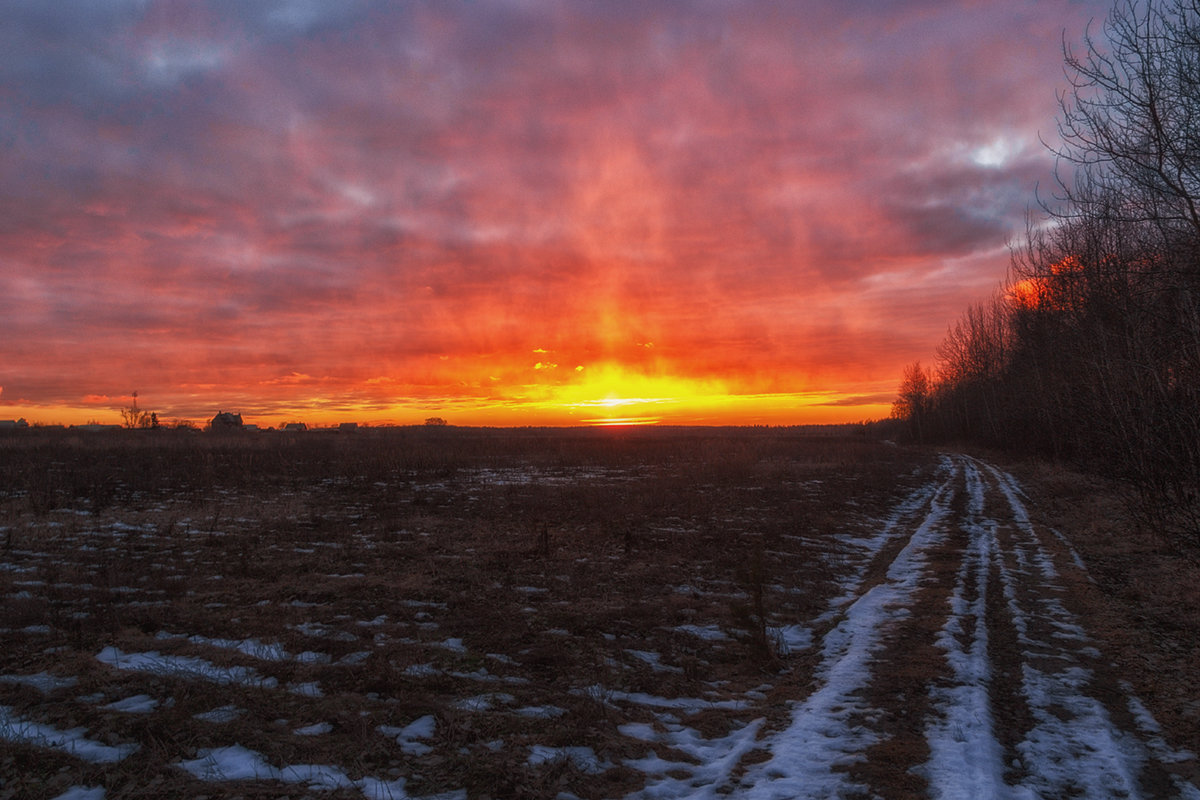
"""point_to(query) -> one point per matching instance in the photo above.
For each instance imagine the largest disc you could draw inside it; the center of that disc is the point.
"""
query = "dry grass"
(522, 588)
(469, 575)
(1144, 601)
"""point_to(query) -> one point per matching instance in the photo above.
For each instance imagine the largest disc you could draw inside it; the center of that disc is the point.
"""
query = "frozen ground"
(933, 653)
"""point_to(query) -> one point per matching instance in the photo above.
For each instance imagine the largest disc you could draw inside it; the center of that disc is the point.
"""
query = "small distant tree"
(435, 421)
(135, 417)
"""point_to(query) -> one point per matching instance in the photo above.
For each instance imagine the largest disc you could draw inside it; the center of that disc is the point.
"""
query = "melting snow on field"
(235, 763)
(1072, 745)
(14, 728)
(184, 667)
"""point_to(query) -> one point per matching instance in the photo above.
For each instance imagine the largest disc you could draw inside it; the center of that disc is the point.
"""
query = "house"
(292, 427)
(225, 421)
(13, 424)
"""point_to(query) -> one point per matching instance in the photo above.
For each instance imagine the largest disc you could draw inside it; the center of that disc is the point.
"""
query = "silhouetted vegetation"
(1091, 350)
(134, 417)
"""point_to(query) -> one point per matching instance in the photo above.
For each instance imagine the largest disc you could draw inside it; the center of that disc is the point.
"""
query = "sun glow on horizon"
(450, 219)
(641, 383)
(611, 393)
(606, 394)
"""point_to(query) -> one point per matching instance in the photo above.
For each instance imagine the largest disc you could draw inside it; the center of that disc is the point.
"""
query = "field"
(673, 613)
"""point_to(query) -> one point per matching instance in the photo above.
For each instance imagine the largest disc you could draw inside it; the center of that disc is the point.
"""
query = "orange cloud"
(742, 211)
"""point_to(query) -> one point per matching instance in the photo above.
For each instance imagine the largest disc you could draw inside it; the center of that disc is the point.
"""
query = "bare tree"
(915, 399)
(1126, 315)
(1131, 119)
(1092, 352)
(135, 417)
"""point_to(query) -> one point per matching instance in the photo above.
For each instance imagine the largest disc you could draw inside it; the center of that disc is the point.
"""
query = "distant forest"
(1090, 351)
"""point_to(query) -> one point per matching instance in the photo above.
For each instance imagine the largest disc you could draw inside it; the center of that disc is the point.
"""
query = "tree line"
(1090, 350)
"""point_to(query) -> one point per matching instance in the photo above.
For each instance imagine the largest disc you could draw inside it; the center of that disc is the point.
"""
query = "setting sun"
(609, 393)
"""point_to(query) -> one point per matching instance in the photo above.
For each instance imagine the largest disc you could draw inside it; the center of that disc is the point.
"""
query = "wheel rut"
(954, 666)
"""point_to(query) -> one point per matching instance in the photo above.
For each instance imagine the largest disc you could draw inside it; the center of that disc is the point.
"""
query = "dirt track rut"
(954, 667)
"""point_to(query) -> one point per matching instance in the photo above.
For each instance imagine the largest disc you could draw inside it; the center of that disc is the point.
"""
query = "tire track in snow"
(1077, 745)
(831, 729)
(1073, 743)
(1023, 707)
(966, 758)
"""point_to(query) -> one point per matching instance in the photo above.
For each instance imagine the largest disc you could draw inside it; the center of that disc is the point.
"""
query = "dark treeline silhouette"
(1090, 352)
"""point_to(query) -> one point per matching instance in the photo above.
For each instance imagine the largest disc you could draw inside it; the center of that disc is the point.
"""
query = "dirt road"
(953, 667)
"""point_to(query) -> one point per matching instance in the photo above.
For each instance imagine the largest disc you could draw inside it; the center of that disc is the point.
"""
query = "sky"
(508, 212)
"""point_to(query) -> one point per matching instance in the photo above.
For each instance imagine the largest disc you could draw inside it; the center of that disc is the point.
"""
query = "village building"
(226, 421)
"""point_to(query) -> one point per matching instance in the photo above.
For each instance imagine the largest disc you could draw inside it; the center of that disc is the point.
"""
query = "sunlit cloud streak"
(369, 210)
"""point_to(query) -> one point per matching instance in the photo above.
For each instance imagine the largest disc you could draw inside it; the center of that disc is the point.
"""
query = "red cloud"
(779, 197)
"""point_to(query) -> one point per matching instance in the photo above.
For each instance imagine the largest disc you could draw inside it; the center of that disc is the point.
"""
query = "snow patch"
(137, 704)
(237, 763)
(44, 682)
(707, 775)
(82, 793)
(155, 663)
(583, 758)
(14, 728)
(219, 715)
(409, 736)
(710, 633)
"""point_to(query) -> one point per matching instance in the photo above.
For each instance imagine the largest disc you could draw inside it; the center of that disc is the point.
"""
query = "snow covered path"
(951, 667)
(958, 670)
